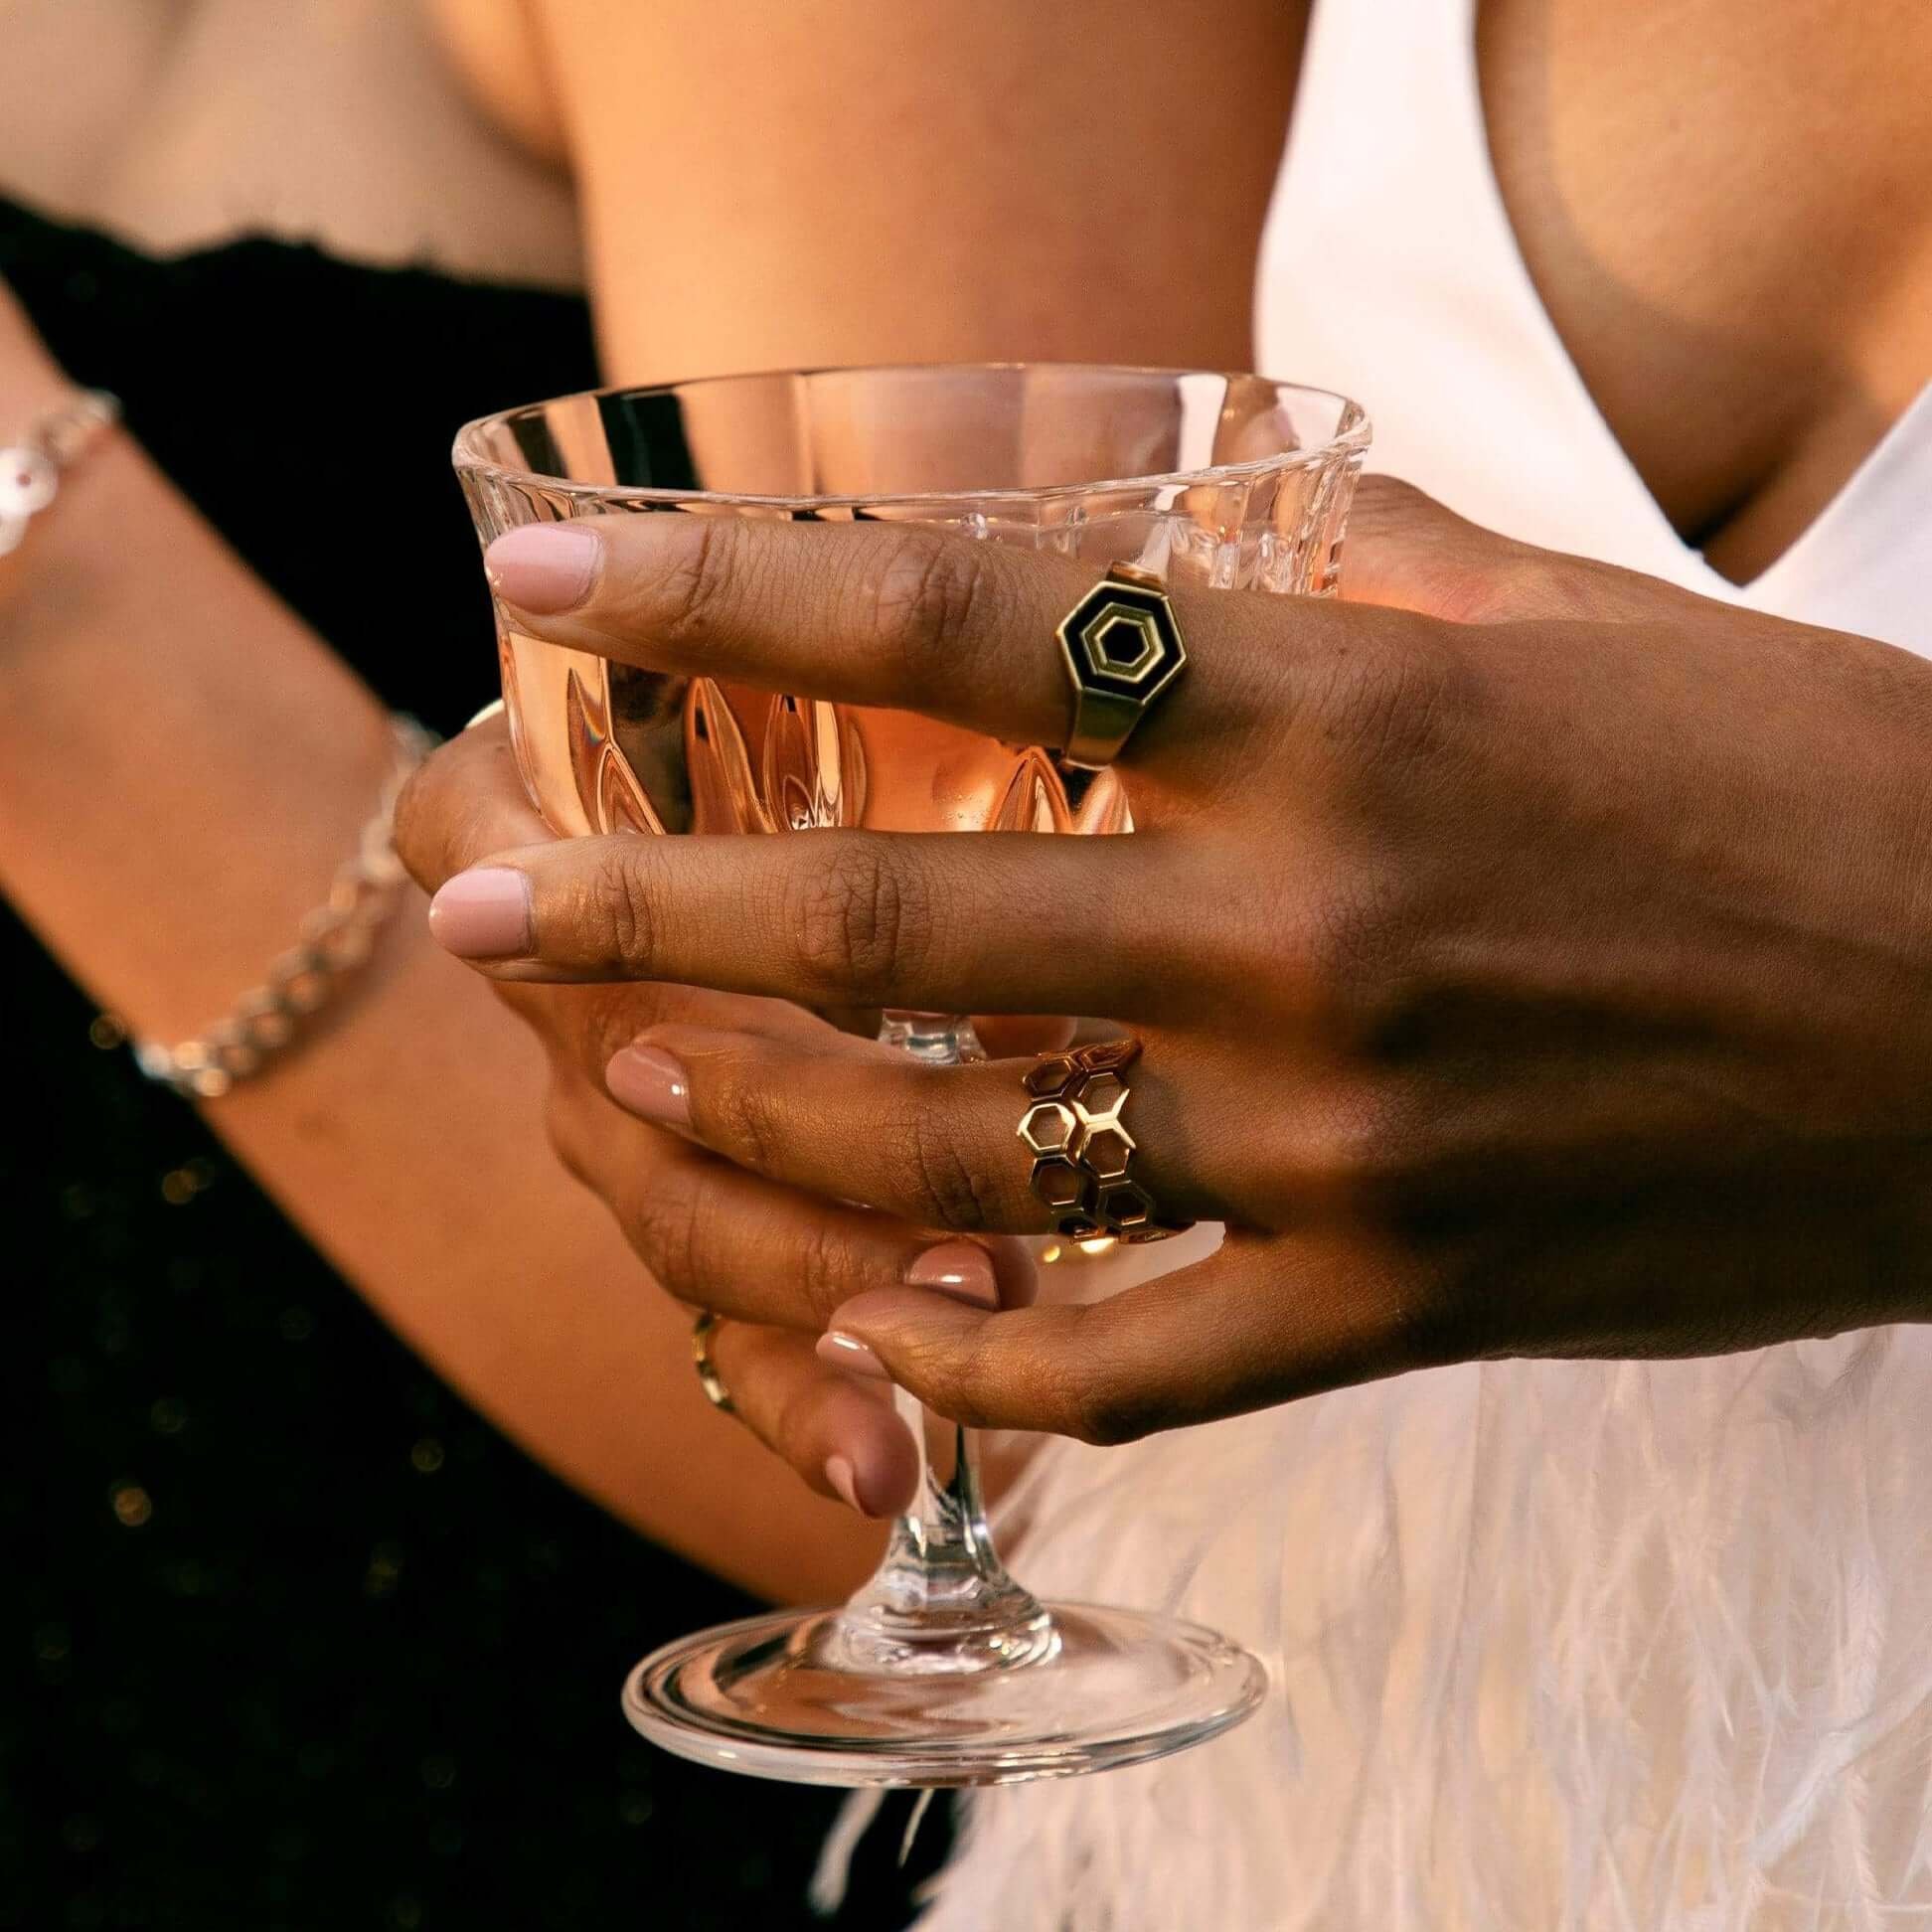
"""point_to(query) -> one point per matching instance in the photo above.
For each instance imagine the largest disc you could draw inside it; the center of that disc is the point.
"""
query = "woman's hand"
(1534, 961)
(772, 1258)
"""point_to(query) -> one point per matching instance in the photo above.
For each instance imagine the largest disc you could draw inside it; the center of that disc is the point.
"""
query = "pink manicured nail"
(543, 568)
(841, 1474)
(960, 1270)
(847, 1351)
(484, 914)
(648, 1083)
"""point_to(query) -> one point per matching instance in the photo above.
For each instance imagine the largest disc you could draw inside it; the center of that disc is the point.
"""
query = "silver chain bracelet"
(30, 469)
(335, 941)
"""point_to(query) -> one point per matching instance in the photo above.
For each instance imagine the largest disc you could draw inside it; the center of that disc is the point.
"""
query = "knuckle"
(662, 1224)
(1101, 1406)
(828, 1269)
(855, 919)
(948, 1190)
(742, 1120)
(618, 911)
(932, 598)
(1531, 583)
(961, 1379)
(688, 604)
(1356, 1142)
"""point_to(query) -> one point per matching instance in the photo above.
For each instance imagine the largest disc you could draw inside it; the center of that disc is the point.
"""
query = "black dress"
(292, 1638)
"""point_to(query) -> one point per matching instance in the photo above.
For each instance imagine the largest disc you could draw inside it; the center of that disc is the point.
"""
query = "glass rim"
(1352, 432)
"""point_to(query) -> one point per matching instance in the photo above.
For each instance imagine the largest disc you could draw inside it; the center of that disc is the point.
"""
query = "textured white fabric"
(1554, 1645)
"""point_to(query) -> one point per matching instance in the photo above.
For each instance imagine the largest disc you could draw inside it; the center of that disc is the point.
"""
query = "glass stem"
(941, 1599)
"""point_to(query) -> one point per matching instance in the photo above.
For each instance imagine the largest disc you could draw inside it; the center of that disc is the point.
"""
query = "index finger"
(888, 614)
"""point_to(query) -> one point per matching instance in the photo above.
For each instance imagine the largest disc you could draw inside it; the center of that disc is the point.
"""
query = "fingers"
(464, 801)
(934, 922)
(840, 1434)
(877, 614)
(720, 1238)
(1262, 1320)
(935, 1146)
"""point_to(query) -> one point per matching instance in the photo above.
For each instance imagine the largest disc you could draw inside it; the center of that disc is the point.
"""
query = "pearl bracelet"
(31, 468)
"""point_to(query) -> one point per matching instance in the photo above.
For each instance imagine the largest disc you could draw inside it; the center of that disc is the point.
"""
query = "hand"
(1533, 961)
(772, 1258)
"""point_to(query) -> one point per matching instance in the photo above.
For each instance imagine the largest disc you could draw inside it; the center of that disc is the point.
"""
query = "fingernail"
(484, 914)
(961, 1270)
(647, 1081)
(543, 568)
(844, 1479)
(847, 1351)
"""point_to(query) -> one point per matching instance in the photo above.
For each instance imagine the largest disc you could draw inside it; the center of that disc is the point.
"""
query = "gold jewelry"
(1122, 648)
(709, 1380)
(336, 938)
(1082, 1151)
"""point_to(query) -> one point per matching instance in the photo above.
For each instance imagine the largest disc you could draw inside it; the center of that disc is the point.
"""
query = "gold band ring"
(1122, 648)
(709, 1380)
(1081, 1151)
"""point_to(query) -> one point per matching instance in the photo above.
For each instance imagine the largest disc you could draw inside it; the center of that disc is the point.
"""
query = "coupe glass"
(942, 1669)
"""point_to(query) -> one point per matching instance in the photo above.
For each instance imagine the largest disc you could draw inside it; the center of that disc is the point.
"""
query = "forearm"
(161, 718)
(183, 766)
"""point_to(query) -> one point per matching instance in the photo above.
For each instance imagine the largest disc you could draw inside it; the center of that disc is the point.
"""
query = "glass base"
(801, 1695)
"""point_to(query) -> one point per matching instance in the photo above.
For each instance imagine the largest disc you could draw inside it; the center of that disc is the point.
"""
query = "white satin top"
(1584, 1645)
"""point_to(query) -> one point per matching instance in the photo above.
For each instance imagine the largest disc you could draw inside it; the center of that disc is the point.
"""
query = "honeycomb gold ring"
(1082, 1153)
(1122, 649)
(709, 1380)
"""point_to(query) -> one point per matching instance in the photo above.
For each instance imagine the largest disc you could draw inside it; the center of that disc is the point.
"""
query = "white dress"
(1553, 1645)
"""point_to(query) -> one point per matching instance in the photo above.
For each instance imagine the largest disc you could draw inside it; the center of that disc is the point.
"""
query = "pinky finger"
(842, 1436)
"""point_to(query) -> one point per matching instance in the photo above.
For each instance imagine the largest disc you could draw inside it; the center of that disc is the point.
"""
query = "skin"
(1616, 232)
(180, 123)
(406, 1139)
(1740, 268)
(708, 176)
(1499, 992)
